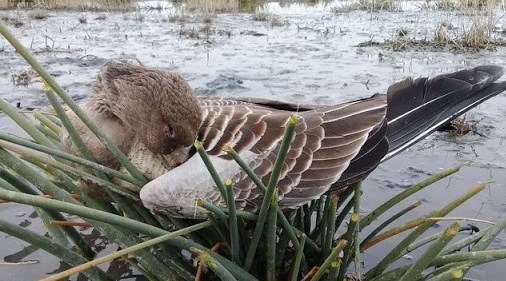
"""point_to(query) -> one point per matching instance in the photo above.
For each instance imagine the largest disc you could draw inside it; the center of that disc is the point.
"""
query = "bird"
(154, 118)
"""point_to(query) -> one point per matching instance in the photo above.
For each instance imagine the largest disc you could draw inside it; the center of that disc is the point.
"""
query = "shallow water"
(311, 58)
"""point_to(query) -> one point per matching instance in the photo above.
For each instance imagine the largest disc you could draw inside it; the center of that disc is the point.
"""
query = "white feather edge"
(176, 191)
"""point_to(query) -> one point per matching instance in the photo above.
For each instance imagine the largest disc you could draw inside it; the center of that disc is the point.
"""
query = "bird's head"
(158, 106)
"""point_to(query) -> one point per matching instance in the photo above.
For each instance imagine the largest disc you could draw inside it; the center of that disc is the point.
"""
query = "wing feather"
(325, 142)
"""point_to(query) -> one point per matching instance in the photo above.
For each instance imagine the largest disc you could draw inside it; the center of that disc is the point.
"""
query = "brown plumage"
(139, 110)
(326, 140)
(154, 118)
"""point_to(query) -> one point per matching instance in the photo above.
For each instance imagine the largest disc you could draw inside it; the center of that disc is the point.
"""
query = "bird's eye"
(169, 131)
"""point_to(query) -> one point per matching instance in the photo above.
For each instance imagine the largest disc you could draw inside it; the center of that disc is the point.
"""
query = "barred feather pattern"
(326, 140)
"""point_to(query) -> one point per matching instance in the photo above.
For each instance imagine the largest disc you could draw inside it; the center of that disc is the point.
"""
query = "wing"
(326, 140)
(368, 158)
(418, 107)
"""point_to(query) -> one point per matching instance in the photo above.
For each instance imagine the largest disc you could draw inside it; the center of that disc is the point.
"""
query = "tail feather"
(415, 109)
(418, 108)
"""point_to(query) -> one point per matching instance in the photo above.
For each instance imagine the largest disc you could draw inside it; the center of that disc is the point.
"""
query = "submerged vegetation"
(321, 240)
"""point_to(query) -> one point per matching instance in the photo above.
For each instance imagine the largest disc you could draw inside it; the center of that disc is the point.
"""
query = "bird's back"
(326, 139)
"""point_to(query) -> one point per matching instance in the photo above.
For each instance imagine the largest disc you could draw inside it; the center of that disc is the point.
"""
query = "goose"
(154, 118)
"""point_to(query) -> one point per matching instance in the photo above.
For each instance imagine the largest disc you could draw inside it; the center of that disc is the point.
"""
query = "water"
(311, 58)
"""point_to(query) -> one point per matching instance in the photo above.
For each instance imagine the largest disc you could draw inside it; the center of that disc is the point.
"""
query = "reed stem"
(62, 252)
(341, 244)
(94, 263)
(214, 265)
(394, 254)
(271, 238)
(406, 193)
(298, 257)
(262, 215)
(416, 269)
(365, 243)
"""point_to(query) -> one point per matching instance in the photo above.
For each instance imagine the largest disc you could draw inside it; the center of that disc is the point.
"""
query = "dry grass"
(211, 7)
(474, 38)
(346, 8)
(447, 5)
(277, 22)
(472, 32)
(273, 20)
(69, 4)
(467, 5)
(379, 5)
(24, 77)
(207, 19)
(478, 36)
(202, 10)
(138, 17)
(11, 20)
(479, 21)
(401, 32)
(39, 14)
(182, 18)
(442, 35)
(461, 127)
(189, 32)
(368, 5)
(260, 16)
